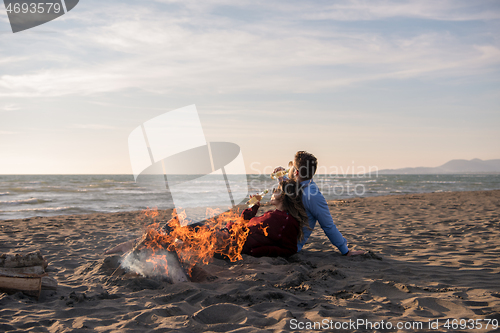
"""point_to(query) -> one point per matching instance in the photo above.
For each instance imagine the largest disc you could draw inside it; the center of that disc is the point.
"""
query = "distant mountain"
(454, 166)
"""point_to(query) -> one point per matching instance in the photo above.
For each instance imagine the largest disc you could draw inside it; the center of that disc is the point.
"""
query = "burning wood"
(160, 263)
(173, 250)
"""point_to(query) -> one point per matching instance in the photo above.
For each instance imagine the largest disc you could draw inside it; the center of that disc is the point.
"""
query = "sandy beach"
(432, 257)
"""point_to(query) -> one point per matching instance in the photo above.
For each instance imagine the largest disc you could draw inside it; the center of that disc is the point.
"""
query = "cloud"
(358, 10)
(93, 126)
(201, 48)
(11, 60)
(377, 10)
(10, 107)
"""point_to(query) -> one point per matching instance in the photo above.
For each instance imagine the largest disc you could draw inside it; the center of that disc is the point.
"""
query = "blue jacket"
(317, 210)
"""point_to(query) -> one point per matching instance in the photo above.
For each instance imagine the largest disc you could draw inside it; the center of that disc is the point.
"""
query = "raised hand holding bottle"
(256, 198)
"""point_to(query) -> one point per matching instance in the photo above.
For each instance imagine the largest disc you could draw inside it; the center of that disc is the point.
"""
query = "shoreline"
(432, 256)
(242, 206)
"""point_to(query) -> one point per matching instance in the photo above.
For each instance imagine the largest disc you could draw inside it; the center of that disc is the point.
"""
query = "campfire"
(173, 251)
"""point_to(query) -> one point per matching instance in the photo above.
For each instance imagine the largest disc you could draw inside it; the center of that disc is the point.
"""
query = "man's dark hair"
(306, 163)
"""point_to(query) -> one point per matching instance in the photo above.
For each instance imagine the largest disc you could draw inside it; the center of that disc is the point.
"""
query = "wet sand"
(431, 257)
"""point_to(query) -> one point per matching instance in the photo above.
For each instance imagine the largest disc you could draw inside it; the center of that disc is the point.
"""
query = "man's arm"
(319, 210)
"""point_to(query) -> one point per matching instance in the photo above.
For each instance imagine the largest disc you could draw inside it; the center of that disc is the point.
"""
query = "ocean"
(25, 196)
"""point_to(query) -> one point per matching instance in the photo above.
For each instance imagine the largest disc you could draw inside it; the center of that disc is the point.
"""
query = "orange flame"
(196, 244)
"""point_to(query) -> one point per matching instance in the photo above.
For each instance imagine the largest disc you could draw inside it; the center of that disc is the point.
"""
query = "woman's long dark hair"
(292, 204)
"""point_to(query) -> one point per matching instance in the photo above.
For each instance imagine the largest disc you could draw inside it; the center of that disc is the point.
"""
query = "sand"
(431, 257)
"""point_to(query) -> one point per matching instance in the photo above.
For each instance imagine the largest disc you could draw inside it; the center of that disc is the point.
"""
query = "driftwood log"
(30, 285)
(25, 273)
(33, 270)
(19, 260)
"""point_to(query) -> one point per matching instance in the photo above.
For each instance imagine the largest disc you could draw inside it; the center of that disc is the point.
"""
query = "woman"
(276, 232)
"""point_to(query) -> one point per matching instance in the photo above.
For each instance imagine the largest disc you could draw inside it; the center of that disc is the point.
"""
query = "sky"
(385, 84)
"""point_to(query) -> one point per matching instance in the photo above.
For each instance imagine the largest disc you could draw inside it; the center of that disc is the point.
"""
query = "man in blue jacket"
(303, 169)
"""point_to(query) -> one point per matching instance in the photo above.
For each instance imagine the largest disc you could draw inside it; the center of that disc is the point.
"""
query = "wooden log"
(28, 285)
(176, 272)
(33, 270)
(25, 273)
(49, 283)
(30, 272)
(19, 260)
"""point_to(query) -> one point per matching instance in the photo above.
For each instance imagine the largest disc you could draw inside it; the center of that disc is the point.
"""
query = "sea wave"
(30, 201)
(81, 194)
(43, 209)
(438, 182)
(45, 189)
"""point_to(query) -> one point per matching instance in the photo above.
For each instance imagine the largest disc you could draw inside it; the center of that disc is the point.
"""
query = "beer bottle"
(282, 173)
(256, 198)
